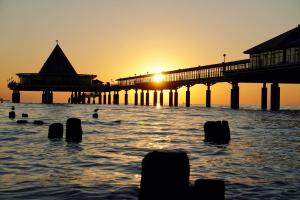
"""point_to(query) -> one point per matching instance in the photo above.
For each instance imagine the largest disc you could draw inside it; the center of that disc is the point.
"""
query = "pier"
(274, 62)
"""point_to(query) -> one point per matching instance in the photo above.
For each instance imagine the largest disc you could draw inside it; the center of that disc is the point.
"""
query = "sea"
(262, 160)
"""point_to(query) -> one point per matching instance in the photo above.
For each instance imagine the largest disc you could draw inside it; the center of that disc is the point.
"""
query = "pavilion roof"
(288, 39)
(57, 64)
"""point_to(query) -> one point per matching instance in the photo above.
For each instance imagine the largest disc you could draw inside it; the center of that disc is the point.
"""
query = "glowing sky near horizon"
(120, 38)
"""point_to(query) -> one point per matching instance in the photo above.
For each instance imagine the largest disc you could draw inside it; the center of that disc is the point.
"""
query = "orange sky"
(114, 39)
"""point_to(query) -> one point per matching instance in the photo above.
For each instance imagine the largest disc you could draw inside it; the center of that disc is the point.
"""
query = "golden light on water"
(158, 78)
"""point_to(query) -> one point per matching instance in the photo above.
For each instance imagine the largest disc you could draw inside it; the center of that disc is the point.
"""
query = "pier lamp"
(224, 55)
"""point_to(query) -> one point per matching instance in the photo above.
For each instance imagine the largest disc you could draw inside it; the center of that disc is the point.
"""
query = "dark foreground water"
(261, 162)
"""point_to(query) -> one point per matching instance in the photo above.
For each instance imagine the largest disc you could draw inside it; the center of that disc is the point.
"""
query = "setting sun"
(158, 78)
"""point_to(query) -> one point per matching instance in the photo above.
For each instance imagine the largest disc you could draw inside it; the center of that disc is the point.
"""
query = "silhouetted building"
(57, 71)
(57, 74)
(283, 49)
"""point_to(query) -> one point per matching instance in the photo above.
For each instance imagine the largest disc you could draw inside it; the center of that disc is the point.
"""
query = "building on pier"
(57, 74)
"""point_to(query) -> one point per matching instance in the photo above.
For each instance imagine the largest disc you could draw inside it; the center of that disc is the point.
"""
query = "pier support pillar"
(161, 98)
(126, 98)
(100, 98)
(264, 97)
(117, 98)
(188, 97)
(136, 98)
(75, 97)
(208, 96)
(83, 98)
(235, 96)
(171, 98)
(88, 99)
(176, 98)
(155, 98)
(44, 97)
(94, 100)
(142, 97)
(109, 98)
(275, 97)
(114, 98)
(104, 98)
(72, 97)
(147, 98)
(79, 98)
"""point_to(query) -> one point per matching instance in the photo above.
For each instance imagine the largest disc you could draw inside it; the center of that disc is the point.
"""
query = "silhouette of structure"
(272, 62)
(57, 74)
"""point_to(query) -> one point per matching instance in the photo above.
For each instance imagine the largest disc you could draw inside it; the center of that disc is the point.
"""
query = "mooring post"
(126, 98)
(142, 97)
(147, 98)
(188, 97)
(275, 97)
(176, 98)
(136, 97)
(171, 98)
(155, 98)
(264, 97)
(161, 98)
(208, 96)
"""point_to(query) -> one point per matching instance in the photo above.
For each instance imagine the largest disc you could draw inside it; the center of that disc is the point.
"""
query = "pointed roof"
(57, 64)
(288, 39)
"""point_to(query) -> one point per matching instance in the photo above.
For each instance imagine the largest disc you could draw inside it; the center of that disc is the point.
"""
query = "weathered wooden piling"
(74, 130)
(217, 132)
(165, 175)
(55, 131)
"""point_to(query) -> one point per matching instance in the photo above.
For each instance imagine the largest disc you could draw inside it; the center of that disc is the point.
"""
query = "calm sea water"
(262, 160)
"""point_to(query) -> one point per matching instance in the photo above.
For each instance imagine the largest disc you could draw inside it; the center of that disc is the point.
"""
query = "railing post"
(264, 97)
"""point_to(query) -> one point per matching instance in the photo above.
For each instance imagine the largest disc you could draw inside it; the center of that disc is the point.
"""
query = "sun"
(158, 78)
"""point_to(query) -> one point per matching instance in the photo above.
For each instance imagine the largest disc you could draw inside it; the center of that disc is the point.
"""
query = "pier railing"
(194, 74)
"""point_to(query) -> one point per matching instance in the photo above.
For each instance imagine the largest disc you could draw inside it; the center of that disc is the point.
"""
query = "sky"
(120, 38)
